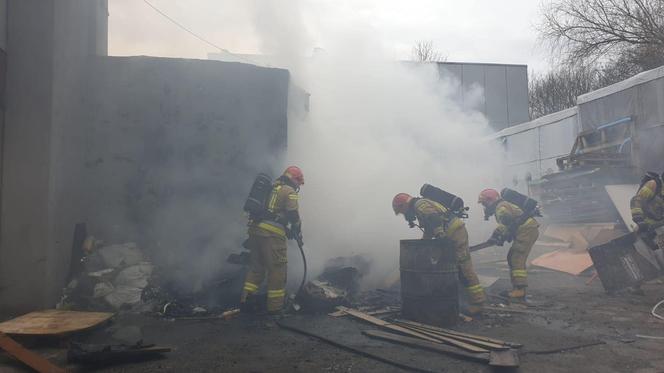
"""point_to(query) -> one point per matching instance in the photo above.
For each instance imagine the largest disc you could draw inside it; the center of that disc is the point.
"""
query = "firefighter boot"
(518, 295)
(475, 309)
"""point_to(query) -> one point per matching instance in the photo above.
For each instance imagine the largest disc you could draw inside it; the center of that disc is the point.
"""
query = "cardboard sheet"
(568, 261)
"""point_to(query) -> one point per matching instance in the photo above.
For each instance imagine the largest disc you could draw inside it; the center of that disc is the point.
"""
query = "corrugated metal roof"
(480, 63)
(539, 122)
(637, 79)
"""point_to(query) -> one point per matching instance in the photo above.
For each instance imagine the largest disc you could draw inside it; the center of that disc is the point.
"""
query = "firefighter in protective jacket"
(647, 205)
(437, 222)
(515, 227)
(267, 241)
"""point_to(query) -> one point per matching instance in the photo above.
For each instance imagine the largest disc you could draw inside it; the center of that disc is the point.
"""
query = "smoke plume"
(375, 127)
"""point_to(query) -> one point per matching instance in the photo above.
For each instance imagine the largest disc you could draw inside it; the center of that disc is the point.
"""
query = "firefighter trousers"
(268, 262)
(518, 254)
(467, 275)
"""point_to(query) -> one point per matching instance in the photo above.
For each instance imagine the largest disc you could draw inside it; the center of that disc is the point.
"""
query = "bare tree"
(424, 51)
(599, 42)
(585, 31)
(558, 89)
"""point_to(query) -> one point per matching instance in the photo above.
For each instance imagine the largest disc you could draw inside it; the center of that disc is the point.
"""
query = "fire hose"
(300, 245)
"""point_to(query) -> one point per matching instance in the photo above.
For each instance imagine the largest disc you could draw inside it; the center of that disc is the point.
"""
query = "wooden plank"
(437, 347)
(476, 342)
(27, 357)
(454, 332)
(53, 322)
(400, 329)
(355, 350)
(508, 358)
(437, 334)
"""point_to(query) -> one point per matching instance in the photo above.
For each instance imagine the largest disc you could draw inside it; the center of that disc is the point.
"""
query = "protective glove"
(296, 233)
(497, 239)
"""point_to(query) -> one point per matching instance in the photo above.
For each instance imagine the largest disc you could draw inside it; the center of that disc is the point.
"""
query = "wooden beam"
(454, 332)
(425, 336)
(508, 358)
(437, 347)
(479, 343)
(356, 350)
(27, 357)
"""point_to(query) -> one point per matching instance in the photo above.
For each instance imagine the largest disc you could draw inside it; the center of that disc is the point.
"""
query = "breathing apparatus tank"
(449, 200)
(529, 206)
(256, 203)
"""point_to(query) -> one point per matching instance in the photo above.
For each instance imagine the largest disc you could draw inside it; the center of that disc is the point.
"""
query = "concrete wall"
(3, 24)
(48, 45)
(168, 150)
(160, 151)
(26, 166)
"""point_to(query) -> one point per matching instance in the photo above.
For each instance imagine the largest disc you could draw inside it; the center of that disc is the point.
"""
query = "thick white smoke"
(376, 127)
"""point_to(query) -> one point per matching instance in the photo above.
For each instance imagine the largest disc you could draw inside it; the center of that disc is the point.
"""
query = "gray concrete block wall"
(160, 151)
(170, 148)
(24, 235)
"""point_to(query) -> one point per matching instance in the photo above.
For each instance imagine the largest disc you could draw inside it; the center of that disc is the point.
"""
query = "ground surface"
(565, 312)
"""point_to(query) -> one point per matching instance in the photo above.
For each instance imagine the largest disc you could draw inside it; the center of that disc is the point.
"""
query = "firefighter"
(437, 222)
(516, 227)
(647, 206)
(267, 241)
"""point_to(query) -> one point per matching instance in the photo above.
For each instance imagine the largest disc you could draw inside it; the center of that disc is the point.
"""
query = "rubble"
(339, 284)
(112, 277)
(120, 277)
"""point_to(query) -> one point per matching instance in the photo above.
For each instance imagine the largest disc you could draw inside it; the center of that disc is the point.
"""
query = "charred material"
(339, 284)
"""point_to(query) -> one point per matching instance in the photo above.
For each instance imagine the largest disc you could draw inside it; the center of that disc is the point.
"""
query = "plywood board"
(568, 233)
(620, 196)
(53, 322)
(572, 262)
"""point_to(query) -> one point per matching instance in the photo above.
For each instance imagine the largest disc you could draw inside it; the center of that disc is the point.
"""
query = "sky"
(463, 31)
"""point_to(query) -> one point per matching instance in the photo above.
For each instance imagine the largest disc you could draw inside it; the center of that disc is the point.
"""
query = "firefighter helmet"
(295, 174)
(488, 197)
(400, 203)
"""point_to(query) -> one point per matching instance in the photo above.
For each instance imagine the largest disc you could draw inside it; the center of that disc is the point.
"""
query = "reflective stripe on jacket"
(435, 219)
(646, 205)
(507, 214)
(282, 199)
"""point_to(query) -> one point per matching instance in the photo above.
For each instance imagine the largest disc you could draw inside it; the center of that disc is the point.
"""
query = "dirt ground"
(564, 313)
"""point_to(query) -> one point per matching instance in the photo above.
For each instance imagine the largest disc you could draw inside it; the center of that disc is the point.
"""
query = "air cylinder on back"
(449, 200)
(258, 195)
(527, 204)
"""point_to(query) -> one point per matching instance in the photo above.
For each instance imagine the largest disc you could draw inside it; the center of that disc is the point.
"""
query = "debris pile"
(121, 278)
(112, 277)
(339, 284)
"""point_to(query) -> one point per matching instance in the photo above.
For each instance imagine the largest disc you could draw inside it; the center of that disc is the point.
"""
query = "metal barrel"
(429, 282)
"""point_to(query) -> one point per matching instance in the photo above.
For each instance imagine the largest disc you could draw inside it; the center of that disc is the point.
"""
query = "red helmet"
(295, 174)
(400, 203)
(488, 197)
